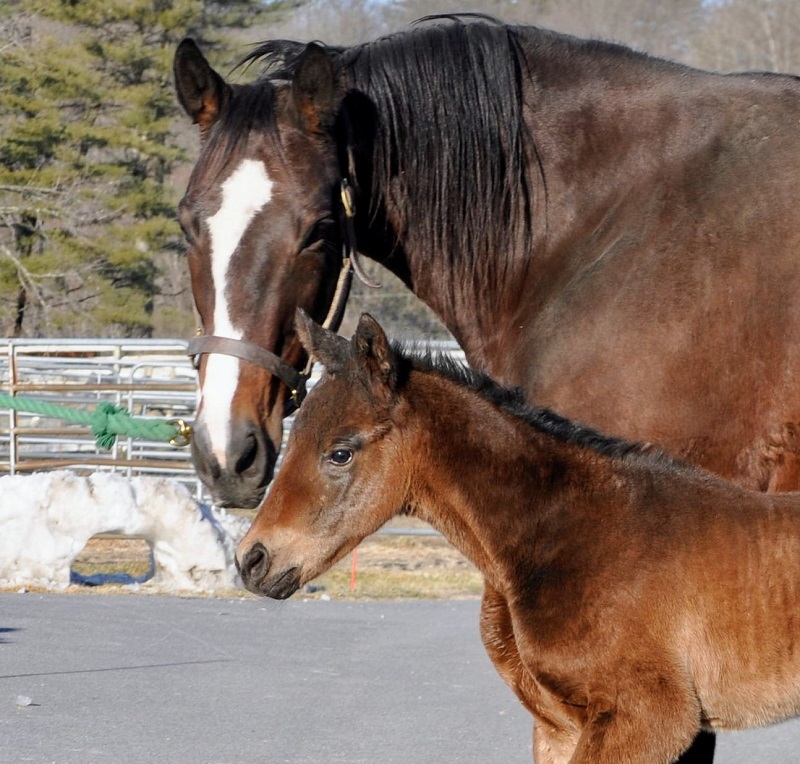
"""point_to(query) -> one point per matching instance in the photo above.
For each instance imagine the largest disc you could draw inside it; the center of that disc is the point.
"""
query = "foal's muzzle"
(254, 569)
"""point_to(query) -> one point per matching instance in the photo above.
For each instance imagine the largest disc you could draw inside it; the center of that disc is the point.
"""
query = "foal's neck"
(490, 481)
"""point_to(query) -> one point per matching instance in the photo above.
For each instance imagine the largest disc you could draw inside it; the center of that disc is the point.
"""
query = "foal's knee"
(644, 729)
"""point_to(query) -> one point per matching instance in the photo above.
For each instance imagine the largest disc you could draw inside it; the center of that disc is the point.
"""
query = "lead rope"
(350, 265)
(107, 421)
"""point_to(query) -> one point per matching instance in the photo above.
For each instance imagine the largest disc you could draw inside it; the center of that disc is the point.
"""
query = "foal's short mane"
(510, 399)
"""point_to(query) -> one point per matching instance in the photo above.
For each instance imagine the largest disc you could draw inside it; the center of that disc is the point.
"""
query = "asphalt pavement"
(134, 679)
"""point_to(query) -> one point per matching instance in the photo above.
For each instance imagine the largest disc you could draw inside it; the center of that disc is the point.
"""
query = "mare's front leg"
(550, 744)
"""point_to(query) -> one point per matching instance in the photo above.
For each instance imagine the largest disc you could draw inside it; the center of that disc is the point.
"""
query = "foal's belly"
(757, 704)
(744, 650)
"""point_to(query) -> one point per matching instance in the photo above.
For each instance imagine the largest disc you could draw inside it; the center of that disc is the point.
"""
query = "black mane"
(511, 399)
(447, 147)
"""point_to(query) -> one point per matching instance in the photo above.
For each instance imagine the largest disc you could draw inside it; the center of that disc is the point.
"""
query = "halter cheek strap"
(349, 249)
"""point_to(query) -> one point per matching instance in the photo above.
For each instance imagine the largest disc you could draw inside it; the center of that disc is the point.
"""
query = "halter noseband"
(249, 351)
(273, 363)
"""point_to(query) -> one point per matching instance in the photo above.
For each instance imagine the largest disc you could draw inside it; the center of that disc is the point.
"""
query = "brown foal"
(631, 600)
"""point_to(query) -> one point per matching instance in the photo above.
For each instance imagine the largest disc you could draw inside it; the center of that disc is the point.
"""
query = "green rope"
(107, 421)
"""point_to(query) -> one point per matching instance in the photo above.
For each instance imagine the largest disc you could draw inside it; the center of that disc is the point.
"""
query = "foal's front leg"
(550, 744)
(497, 633)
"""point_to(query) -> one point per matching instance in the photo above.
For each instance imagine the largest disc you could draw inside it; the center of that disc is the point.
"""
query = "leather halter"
(249, 351)
(273, 363)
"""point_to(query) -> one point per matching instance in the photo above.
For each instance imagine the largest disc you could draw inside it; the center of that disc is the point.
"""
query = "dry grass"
(404, 567)
(383, 584)
(388, 567)
(106, 556)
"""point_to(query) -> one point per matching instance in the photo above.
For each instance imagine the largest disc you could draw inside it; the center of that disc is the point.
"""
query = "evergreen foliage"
(88, 140)
(91, 137)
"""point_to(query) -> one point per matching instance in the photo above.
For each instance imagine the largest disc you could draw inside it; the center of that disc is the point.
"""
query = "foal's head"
(343, 474)
(262, 219)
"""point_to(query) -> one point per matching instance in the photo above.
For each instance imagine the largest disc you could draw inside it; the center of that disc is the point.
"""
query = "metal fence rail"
(147, 377)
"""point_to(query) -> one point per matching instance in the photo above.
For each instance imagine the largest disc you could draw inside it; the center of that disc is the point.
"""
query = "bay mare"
(614, 233)
(640, 598)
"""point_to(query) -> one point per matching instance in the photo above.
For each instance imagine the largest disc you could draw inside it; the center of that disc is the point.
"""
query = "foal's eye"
(341, 457)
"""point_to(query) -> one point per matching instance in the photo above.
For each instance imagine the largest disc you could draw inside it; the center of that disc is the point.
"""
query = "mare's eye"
(320, 231)
(341, 457)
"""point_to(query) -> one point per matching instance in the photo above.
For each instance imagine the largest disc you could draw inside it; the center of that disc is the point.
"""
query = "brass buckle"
(183, 436)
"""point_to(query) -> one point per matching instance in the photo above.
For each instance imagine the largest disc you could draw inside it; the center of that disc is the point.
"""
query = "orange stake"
(353, 570)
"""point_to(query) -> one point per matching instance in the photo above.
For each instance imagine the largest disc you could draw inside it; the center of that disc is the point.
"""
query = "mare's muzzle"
(249, 466)
(249, 462)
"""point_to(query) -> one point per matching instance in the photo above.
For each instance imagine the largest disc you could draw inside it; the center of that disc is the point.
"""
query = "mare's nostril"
(238, 470)
(255, 564)
(248, 456)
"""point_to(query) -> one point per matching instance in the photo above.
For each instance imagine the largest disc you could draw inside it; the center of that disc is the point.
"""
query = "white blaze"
(244, 193)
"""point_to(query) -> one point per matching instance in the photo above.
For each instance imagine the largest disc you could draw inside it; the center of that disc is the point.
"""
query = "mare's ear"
(331, 350)
(315, 95)
(201, 91)
(375, 357)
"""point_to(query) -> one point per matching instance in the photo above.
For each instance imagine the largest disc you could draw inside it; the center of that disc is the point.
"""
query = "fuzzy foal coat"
(630, 600)
(645, 598)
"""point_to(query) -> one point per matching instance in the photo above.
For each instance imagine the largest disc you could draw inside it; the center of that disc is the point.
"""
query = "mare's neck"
(597, 139)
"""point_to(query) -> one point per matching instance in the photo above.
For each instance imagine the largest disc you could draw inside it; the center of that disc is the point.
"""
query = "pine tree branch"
(26, 278)
(32, 190)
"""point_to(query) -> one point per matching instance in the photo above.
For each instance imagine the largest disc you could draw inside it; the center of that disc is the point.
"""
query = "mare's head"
(262, 217)
(342, 476)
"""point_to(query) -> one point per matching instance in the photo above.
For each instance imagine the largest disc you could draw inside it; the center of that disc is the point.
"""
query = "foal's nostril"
(255, 564)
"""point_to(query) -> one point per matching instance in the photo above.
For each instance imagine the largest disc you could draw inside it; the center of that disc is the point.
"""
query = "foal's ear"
(315, 96)
(331, 350)
(201, 91)
(375, 357)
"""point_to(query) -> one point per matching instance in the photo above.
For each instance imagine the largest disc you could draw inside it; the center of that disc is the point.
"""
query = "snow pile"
(46, 520)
